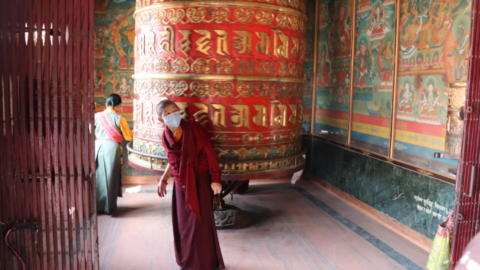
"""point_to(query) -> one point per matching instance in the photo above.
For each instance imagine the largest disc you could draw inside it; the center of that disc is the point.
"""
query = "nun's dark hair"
(113, 100)
(162, 105)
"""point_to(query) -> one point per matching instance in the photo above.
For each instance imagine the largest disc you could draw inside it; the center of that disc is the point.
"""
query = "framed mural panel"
(434, 41)
(309, 68)
(114, 53)
(373, 76)
(334, 53)
(409, 92)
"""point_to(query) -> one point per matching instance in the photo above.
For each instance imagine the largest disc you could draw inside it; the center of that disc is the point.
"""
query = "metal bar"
(9, 48)
(472, 160)
(62, 139)
(3, 256)
(85, 143)
(94, 232)
(23, 132)
(71, 157)
(35, 206)
(467, 207)
(231, 187)
(78, 146)
(315, 68)
(46, 66)
(55, 136)
(39, 133)
(471, 183)
(91, 106)
(4, 211)
(17, 186)
(475, 23)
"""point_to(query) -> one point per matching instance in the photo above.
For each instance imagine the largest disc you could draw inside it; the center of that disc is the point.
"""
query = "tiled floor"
(297, 227)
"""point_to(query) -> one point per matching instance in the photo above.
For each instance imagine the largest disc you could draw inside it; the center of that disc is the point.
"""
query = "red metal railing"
(467, 187)
(47, 166)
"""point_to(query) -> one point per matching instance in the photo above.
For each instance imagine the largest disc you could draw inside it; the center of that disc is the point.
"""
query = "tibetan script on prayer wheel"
(238, 63)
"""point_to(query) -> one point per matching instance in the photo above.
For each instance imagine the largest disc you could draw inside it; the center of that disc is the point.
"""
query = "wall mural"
(373, 75)
(434, 42)
(333, 69)
(114, 53)
(308, 67)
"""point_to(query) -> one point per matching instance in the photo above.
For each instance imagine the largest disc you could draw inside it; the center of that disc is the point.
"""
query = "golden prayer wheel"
(456, 102)
(238, 63)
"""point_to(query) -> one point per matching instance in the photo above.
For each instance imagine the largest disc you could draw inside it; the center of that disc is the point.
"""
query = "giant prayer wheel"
(238, 63)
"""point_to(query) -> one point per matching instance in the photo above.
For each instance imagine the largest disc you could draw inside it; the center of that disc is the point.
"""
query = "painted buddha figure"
(378, 21)
(342, 31)
(362, 65)
(406, 99)
(430, 101)
(124, 88)
(387, 57)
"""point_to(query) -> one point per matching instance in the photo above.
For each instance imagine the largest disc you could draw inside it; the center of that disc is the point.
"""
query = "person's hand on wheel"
(201, 117)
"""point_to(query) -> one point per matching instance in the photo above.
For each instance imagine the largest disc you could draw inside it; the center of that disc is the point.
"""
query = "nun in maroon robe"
(195, 167)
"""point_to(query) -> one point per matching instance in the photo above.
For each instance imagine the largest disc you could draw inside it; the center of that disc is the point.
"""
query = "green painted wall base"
(417, 201)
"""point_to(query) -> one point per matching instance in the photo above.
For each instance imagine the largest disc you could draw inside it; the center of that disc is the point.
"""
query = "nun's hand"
(201, 117)
(162, 188)
(217, 188)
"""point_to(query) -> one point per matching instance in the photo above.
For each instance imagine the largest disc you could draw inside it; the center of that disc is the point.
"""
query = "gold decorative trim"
(220, 66)
(201, 77)
(457, 85)
(184, 4)
(218, 89)
(254, 131)
(405, 72)
(235, 132)
(366, 153)
(425, 172)
(219, 15)
(254, 144)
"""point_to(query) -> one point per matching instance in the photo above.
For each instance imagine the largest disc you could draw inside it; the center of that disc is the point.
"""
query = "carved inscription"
(163, 41)
(185, 41)
(167, 43)
(202, 43)
(275, 115)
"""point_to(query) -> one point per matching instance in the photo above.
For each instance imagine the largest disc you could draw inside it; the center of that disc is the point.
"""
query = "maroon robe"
(195, 235)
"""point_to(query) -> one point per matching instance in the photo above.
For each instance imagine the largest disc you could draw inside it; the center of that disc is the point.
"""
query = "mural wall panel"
(114, 53)
(373, 75)
(434, 38)
(434, 42)
(333, 69)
